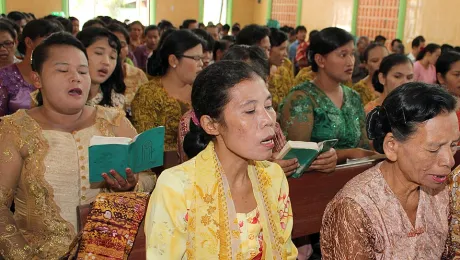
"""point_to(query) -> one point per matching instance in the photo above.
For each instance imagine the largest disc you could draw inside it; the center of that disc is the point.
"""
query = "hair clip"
(195, 119)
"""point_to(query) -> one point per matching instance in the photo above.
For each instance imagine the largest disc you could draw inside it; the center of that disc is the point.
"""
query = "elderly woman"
(399, 208)
(227, 201)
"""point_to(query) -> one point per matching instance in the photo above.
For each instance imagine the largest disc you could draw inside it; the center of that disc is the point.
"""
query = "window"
(215, 11)
(132, 10)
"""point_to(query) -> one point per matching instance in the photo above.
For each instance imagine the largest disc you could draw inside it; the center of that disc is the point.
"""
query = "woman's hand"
(325, 162)
(118, 183)
(288, 166)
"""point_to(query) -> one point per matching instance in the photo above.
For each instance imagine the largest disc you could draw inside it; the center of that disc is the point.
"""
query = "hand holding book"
(116, 182)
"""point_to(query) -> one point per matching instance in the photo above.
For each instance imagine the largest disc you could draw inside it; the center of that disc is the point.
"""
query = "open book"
(305, 152)
(143, 152)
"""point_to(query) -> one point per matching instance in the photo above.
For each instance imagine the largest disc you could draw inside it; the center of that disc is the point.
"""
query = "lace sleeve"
(286, 220)
(346, 232)
(3, 101)
(297, 116)
(184, 128)
(144, 109)
(12, 243)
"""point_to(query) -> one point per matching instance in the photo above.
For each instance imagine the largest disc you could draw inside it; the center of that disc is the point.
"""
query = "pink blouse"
(424, 75)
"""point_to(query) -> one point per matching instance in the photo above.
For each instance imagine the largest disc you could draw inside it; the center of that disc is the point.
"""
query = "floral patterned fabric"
(191, 214)
(280, 83)
(307, 114)
(365, 92)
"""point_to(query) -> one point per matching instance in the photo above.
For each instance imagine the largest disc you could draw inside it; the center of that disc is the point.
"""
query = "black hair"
(210, 94)
(118, 27)
(200, 25)
(164, 25)
(253, 55)
(371, 47)
(151, 61)
(187, 23)
(277, 37)
(150, 28)
(252, 34)
(235, 29)
(209, 46)
(72, 19)
(300, 28)
(6, 27)
(16, 16)
(417, 41)
(380, 38)
(457, 49)
(431, 48)
(221, 45)
(226, 27)
(33, 16)
(36, 29)
(13, 25)
(106, 19)
(446, 48)
(313, 33)
(325, 42)
(134, 23)
(66, 23)
(385, 66)
(175, 42)
(404, 109)
(92, 22)
(395, 40)
(92, 34)
(445, 62)
(40, 54)
(229, 38)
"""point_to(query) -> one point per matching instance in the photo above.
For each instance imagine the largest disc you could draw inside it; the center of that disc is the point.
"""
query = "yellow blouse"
(307, 74)
(191, 214)
(366, 94)
(46, 173)
(153, 107)
(134, 78)
(280, 83)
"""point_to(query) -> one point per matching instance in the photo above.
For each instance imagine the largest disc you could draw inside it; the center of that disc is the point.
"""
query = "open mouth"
(75, 92)
(439, 178)
(268, 142)
(103, 72)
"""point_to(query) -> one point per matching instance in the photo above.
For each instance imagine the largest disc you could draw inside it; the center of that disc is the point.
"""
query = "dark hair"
(395, 40)
(325, 42)
(404, 109)
(380, 38)
(369, 48)
(175, 42)
(300, 28)
(229, 38)
(150, 28)
(40, 54)
(431, 48)
(72, 19)
(446, 48)
(36, 29)
(92, 34)
(210, 96)
(445, 61)
(252, 34)
(457, 49)
(253, 55)
(221, 45)
(277, 37)
(6, 27)
(165, 25)
(66, 23)
(13, 25)
(32, 15)
(417, 41)
(16, 16)
(235, 29)
(209, 46)
(385, 66)
(226, 27)
(92, 22)
(313, 33)
(200, 25)
(117, 27)
(187, 23)
(134, 23)
(106, 19)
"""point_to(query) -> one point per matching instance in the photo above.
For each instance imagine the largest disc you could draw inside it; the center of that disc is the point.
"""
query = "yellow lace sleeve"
(347, 232)
(12, 243)
(286, 219)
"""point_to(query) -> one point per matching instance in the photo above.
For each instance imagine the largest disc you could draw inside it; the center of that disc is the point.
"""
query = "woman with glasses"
(15, 82)
(165, 98)
(7, 44)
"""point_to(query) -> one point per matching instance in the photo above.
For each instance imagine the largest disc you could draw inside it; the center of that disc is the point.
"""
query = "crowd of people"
(229, 97)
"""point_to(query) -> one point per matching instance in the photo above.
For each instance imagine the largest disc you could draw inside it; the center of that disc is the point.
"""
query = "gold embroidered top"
(134, 78)
(366, 93)
(280, 83)
(307, 74)
(46, 173)
(191, 214)
(153, 107)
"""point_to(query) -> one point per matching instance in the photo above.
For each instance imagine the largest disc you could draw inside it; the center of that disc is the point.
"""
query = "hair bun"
(377, 127)
(196, 140)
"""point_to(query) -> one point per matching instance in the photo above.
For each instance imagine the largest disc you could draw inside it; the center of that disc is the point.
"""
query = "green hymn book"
(305, 152)
(141, 153)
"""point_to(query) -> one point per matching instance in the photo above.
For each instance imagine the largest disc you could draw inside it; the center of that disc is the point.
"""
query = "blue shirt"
(293, 50)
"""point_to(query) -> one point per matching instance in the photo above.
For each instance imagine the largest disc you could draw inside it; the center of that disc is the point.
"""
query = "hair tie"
(195, 119)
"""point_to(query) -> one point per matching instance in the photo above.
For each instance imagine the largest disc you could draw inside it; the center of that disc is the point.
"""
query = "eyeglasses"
(7, 44)
(196, 58)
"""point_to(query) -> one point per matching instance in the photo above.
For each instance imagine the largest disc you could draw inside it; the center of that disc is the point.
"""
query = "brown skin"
(451, 80)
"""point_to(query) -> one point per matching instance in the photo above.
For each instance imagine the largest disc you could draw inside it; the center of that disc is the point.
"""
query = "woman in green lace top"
(324, 108)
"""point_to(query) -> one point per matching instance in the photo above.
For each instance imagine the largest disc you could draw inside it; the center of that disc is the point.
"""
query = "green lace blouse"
(307, 114)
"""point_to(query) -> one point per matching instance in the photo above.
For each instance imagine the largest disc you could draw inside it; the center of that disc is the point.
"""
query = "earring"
(174, 66)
